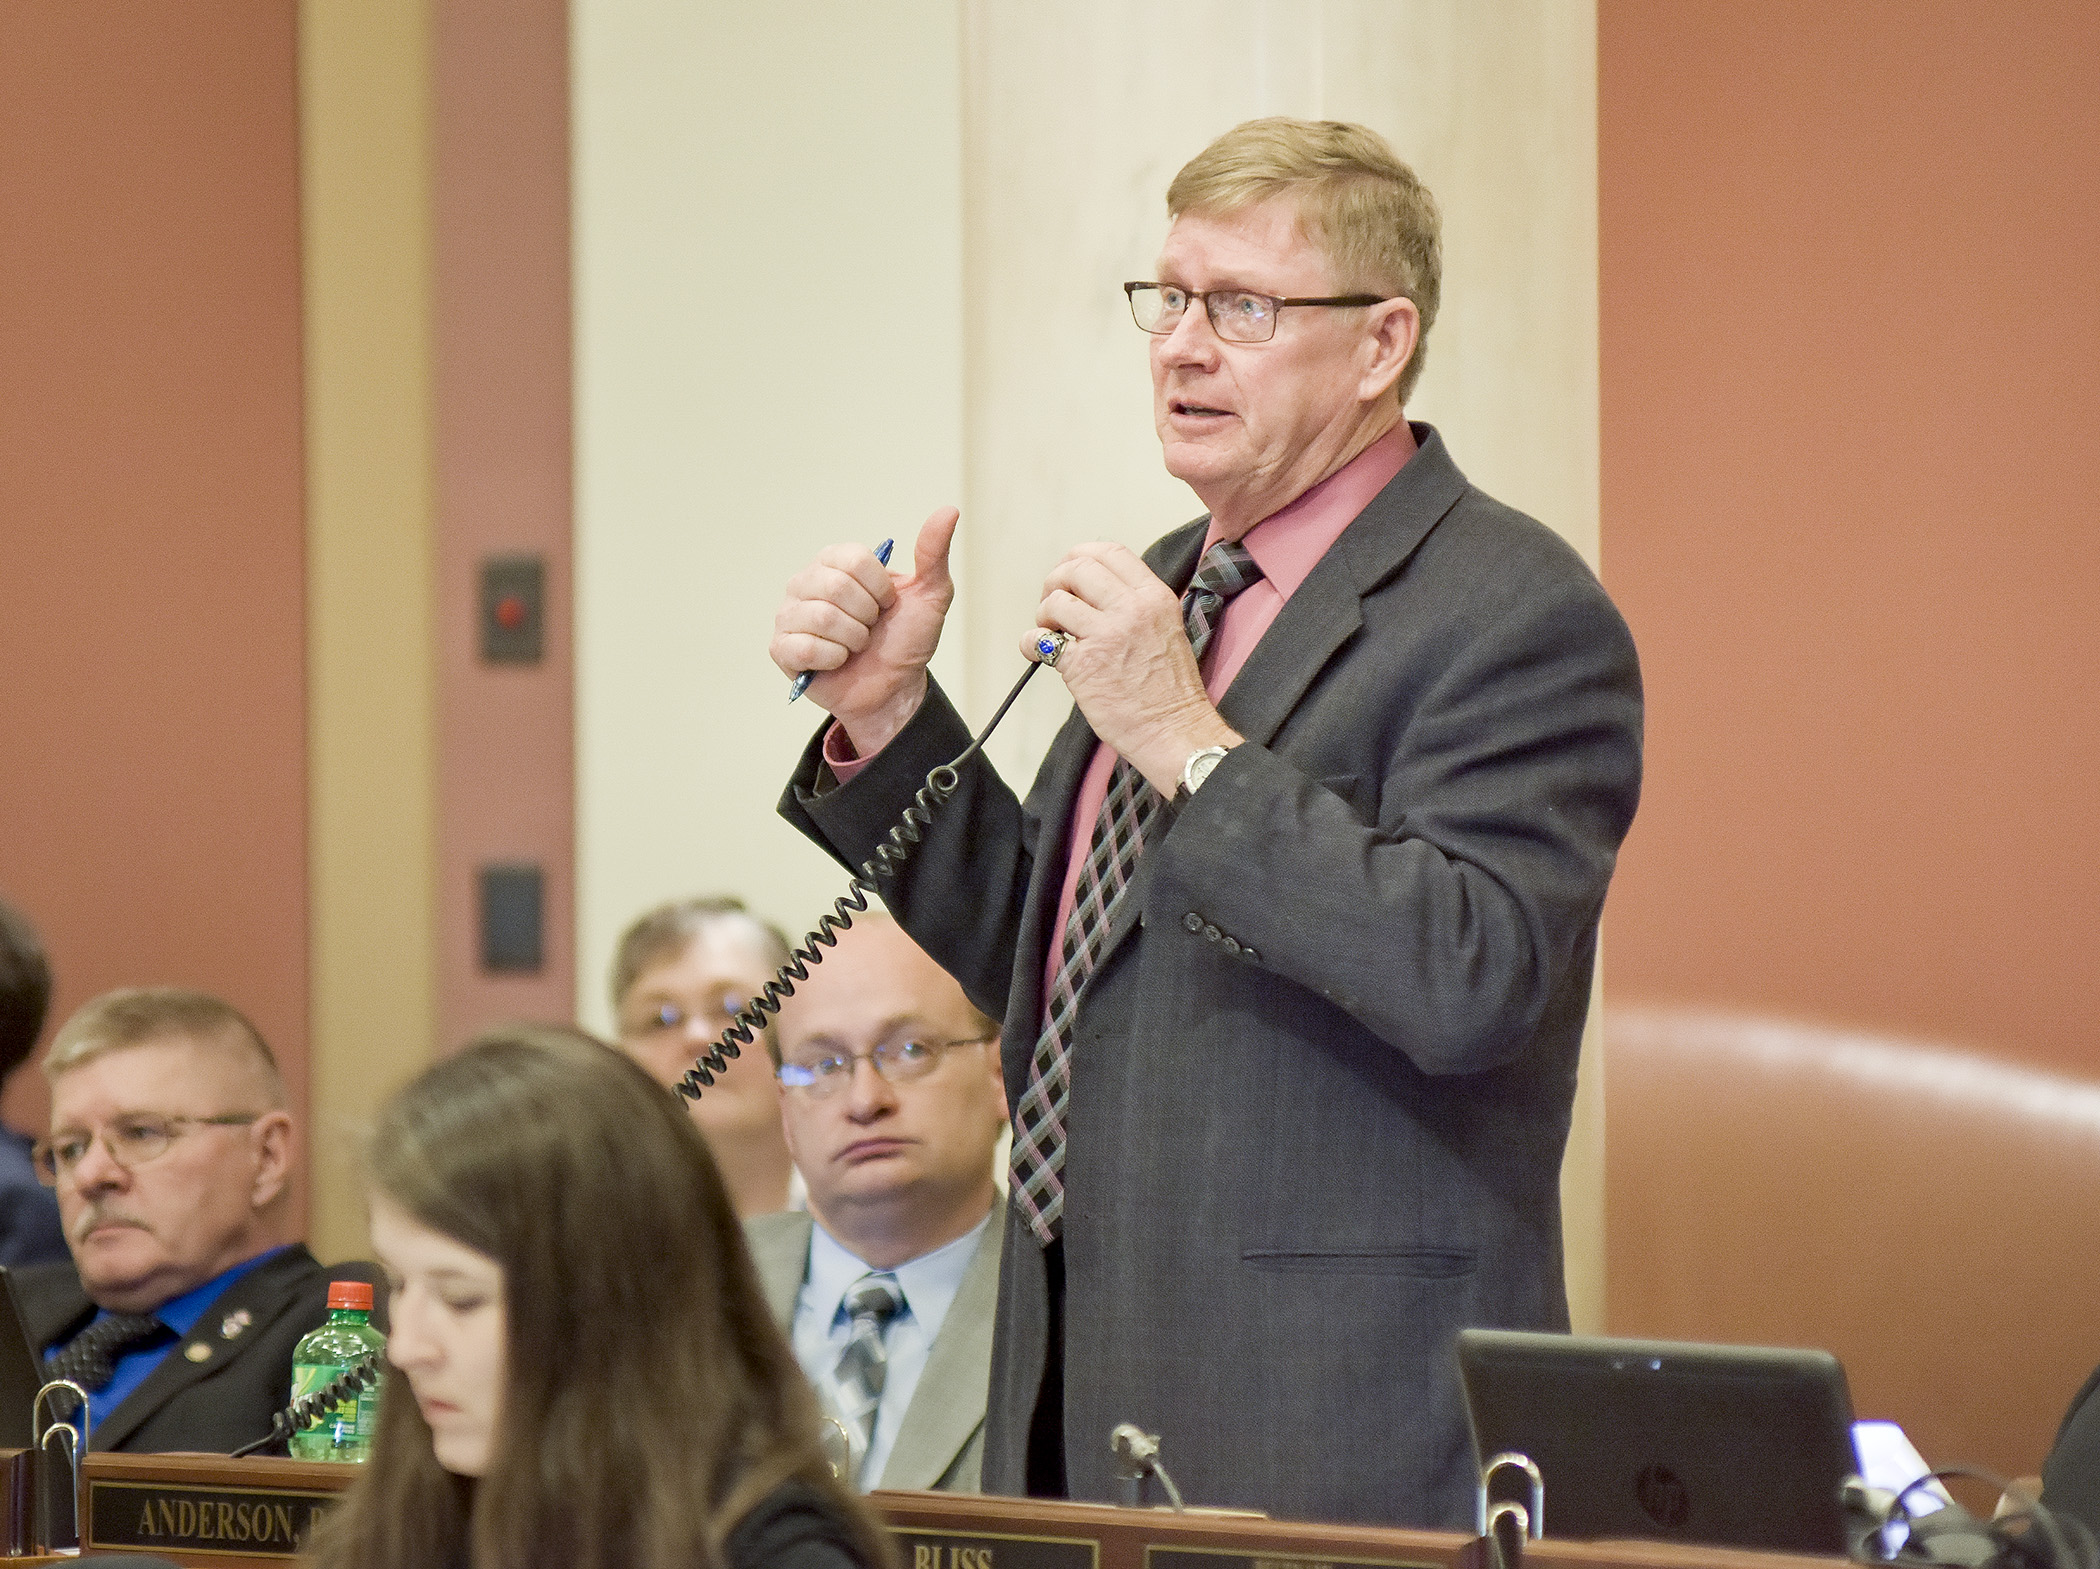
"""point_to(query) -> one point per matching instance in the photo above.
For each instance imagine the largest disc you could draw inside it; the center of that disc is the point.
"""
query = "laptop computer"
(1741, 1446)
(21, 1371)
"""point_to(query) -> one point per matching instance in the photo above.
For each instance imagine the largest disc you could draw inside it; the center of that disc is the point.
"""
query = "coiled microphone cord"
(884, 863)
(359, 1375)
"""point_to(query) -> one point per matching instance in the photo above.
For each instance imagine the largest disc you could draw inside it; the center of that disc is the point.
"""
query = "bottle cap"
(353, 1294)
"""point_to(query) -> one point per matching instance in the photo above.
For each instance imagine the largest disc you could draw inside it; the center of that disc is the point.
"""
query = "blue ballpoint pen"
(801, 682)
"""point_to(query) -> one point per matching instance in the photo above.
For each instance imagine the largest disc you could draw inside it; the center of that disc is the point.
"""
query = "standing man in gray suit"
(1293, 936)
(893, 1109)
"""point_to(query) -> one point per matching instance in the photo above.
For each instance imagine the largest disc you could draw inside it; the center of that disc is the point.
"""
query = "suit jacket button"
(198, 1351)
(1211, 934)
(1192, 921)
(1232, 945)
(1249, 955)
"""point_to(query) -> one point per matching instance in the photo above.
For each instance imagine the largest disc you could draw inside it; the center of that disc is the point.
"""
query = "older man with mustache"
(1294, 934)
(171, 1152)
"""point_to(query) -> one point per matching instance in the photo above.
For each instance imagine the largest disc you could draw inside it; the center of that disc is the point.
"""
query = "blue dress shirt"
(822, 1326)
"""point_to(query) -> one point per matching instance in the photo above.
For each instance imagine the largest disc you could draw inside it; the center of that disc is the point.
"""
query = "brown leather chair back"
(1927, 1215)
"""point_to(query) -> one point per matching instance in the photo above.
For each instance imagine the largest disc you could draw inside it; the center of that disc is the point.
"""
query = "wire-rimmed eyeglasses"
(1236, 315)
(897, 1061)
(666, 1017)
(131, 1141)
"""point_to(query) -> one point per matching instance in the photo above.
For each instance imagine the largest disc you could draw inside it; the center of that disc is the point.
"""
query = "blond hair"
(1364, 208)
(142, 1015)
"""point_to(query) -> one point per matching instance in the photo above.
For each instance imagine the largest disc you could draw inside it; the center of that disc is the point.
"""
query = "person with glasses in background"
(887, 1286)
(1294, 933)
(172, 1152)
(681, 973)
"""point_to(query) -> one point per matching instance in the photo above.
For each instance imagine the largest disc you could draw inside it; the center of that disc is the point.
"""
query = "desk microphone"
(1138, 1451)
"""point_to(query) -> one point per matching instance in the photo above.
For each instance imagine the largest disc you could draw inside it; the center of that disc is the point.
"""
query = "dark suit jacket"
(1298, 1162)
(29, 1229)
(214, 1400)
(792, 1527)
(2071, 1474)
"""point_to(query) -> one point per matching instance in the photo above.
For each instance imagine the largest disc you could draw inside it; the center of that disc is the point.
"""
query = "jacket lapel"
(1327, 609)
(263, 1293)
(53, 1307)
(1317, 620)
(947, 1408)
(780, 1249)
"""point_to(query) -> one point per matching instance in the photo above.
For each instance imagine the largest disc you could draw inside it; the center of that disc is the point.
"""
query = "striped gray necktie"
(1127, 813)
(871, 1302)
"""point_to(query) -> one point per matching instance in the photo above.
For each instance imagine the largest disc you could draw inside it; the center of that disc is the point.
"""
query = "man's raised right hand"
(867, 632)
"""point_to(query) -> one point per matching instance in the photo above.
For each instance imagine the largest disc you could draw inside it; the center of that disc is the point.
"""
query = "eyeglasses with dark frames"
(131, 1141)
(1236, 315)
(897, 1061)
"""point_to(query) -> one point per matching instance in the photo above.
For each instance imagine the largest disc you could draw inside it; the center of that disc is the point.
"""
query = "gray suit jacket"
(1322, 1077)
(941, 1444)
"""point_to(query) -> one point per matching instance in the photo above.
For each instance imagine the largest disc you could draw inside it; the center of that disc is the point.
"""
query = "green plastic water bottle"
(344, 1430)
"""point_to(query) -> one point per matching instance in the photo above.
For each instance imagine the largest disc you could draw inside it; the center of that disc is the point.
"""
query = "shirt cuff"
(839, 755)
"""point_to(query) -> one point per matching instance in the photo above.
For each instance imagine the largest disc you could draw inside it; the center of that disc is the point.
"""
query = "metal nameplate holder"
(1496, 1548)
(1535, 1517)
(70, 1443)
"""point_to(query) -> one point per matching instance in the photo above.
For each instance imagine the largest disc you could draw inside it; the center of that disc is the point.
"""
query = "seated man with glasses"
(893, 1110)
(171, 1149)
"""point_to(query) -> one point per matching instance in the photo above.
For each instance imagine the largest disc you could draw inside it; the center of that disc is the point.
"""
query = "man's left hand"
(1129, 665)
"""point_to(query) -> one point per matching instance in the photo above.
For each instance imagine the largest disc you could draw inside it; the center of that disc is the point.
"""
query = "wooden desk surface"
(226, 1514)
(1160, 1539)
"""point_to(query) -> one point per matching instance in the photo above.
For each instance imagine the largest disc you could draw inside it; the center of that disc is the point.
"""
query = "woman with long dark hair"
(585, 1372)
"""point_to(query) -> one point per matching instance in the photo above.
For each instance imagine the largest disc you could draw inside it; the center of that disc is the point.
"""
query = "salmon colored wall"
(1851, 501)
(500, 331)
(152, 633)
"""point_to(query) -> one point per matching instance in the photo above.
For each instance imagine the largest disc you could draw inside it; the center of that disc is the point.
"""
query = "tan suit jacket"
(941, 1444)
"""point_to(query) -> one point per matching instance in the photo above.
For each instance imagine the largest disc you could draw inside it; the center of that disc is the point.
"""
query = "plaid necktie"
(1127, 813)
(872, 1302)
(90, 1357)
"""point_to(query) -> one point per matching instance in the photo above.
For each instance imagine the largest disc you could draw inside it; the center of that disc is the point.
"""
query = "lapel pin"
(233, 1323)
(198, 1351)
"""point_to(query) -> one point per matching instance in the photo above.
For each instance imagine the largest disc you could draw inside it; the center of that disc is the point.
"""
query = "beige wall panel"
(1077, 117)
(366, 201)
(767, 234)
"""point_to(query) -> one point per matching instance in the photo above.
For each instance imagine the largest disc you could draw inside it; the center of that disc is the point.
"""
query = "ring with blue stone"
(1050, 645)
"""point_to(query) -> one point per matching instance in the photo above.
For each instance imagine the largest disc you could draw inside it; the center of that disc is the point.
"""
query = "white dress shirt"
(822, 1326)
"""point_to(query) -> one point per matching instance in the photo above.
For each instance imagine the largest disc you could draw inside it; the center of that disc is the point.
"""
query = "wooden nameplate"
(206, 1509)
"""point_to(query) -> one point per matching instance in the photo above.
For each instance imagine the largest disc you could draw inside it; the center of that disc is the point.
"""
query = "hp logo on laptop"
(1663, 1497)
